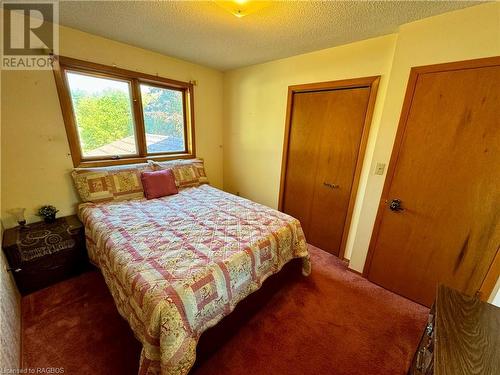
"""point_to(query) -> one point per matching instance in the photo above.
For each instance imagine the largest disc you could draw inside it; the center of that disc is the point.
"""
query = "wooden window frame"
(63, 64)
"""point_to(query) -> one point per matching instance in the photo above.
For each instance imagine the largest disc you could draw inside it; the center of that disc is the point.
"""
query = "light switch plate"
(380, 168)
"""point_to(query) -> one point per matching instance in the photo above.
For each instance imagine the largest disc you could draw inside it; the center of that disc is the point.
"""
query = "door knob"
(395, 205)
(330, 185)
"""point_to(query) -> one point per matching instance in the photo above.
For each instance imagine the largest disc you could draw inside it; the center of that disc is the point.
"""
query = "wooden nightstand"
(42, 253)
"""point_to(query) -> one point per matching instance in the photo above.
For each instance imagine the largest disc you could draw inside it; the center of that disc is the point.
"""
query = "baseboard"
(350, 269)
(354, 271)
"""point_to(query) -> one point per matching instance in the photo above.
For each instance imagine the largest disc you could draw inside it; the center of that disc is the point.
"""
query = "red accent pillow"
(158, 184)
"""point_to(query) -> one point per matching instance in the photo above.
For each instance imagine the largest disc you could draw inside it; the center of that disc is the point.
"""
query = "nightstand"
(41, 254)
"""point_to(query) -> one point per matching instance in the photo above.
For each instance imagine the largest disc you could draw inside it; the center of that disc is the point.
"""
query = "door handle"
(395, 205)
(330, 185)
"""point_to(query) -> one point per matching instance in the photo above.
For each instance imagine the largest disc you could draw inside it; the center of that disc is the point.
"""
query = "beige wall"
(35, 152)
(255, 109)
(461, 35)
(255, 103)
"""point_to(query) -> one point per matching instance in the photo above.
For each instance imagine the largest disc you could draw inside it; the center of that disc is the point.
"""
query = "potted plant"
(48, 213)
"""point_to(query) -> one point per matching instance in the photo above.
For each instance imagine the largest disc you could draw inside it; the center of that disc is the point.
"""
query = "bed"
(177, 265)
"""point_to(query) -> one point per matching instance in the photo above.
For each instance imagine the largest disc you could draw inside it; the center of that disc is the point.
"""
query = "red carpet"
(334, 322)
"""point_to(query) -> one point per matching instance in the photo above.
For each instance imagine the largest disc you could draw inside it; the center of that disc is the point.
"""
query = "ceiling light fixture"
(242, 8)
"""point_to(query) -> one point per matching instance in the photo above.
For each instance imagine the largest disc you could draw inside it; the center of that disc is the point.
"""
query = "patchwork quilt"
(177, 265)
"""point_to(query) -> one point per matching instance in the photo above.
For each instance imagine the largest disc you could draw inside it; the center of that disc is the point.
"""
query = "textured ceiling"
(203, 32)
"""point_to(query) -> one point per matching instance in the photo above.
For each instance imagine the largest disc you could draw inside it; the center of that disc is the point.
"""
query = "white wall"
(495, 295)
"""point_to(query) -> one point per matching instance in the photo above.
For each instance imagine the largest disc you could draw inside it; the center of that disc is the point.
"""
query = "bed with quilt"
(177, 264)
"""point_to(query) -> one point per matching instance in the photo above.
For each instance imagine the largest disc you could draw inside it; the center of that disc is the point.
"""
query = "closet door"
(303, 152)
(344, 115)
(322, 159)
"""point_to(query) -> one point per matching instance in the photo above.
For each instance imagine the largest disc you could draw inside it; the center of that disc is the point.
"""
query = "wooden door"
(325, 136)
(445, 170)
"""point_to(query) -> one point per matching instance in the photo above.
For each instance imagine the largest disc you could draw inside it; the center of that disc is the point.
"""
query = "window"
(163, 113)
(116, 116)
(103, 114)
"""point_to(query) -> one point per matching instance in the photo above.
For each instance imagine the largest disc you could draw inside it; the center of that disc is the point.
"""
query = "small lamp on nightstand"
(18, 214)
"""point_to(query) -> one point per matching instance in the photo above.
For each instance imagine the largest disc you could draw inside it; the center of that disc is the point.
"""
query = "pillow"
(158, 183)
(200, 168)
(109, 183)
(186, 176)
(187, 173)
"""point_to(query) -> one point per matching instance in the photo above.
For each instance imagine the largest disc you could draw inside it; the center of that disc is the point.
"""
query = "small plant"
(48, 213)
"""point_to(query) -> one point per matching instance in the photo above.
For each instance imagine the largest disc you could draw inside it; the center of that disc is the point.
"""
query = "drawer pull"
(429, 328)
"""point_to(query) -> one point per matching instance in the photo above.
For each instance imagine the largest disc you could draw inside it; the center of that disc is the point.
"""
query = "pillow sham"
(158, 183)
(109, 183)
(200, 168)
(187, 173)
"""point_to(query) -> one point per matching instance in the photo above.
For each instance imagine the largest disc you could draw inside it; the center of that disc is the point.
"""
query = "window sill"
(133, 160)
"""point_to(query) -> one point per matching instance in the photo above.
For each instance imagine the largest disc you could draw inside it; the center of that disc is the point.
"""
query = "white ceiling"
(204, 33)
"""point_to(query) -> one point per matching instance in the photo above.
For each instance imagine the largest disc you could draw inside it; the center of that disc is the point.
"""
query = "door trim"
(369, 82)
(415, 72)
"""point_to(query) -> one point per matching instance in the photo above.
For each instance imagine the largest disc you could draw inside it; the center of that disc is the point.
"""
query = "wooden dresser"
(462, 337)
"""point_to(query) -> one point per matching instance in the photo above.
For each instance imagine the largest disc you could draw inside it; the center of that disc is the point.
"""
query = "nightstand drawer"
(29, 281)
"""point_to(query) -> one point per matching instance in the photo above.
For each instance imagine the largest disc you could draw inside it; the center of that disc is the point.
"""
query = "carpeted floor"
(334, 322)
